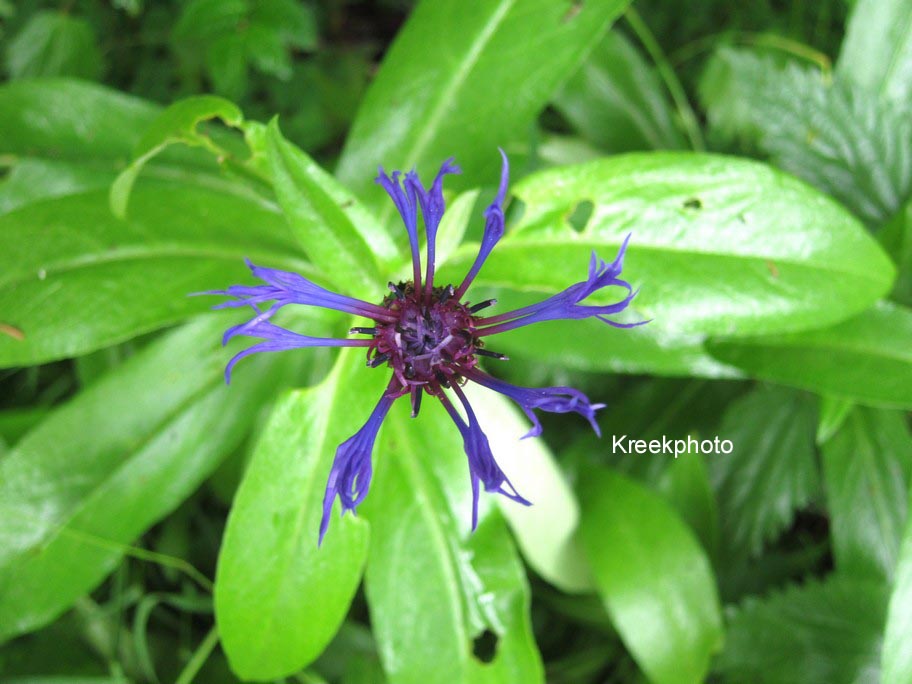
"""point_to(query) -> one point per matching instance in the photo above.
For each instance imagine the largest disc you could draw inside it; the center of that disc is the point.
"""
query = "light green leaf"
(718, 244)
(771, 471)
(833, 135)
(616, 101)
(867, 359)
(459, 585)
(100, 470)
(74, 279)
(686, 486)
(833, 412)
(896, 661)
(54, 44)
(877, 50)
(463, 98)
(279, 598)
(818, 633)
(866, 468)
(653, 577)
(331, 226)
(176, 124)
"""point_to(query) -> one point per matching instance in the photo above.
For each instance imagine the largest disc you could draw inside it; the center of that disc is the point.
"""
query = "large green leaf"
(896, 660)
(771, 471)
(653, 577)
(105, 466)
(817, 633)
(448, 85)
(718, 245)
(74, 279)
(54, 44)
(328, 222)
(617, 102)
(877, 50)
(280, 598)
(833, 135)
(867, 358)
(866, 467)
(432, 587)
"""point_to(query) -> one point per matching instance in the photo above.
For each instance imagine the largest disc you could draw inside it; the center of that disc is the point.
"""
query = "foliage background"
(158, 526)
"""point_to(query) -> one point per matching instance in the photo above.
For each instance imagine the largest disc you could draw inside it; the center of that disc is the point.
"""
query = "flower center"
(432, 336)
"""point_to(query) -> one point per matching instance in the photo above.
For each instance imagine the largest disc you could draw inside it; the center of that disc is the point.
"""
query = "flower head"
(429, 337)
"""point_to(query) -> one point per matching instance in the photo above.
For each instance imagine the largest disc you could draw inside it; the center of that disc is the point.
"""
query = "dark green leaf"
(459, 585)
(54, 44)
(616, 101)
(818, 633)
(877, 50)
(717, 244)
(867, 359)
(838, 138)
(771, 471)
(653, 576)
(280, 598)
(866, 467)
(101, 469)
(463, 98)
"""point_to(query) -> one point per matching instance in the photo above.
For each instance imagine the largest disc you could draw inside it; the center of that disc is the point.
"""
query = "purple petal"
(494, 227)
(351, 472)
(566, 304)
(551, 399)
(278, 339)
(432, 208)
(405, 201)
(482, 466)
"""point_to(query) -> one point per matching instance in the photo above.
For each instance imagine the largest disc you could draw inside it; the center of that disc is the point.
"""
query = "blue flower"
(429, 337)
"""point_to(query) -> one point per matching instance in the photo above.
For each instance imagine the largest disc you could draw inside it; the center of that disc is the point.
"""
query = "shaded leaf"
(669, 620)
(54, 44)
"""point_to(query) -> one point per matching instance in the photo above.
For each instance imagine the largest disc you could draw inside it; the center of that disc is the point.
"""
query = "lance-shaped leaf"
(877, 50)
(463, 98)
(99, 470)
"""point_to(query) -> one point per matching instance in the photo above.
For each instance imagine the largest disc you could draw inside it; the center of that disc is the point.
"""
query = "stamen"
(397, 290)
(377, 360)
(416, 401)
(441, 378)
(493, 355)
(482, 305)
(447, 293)
(362, 331)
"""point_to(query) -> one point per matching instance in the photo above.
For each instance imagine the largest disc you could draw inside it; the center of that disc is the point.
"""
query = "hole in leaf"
(485, 646)
(581, 215)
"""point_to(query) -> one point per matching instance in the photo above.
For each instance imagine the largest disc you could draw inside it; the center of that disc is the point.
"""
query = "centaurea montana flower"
(429, 337)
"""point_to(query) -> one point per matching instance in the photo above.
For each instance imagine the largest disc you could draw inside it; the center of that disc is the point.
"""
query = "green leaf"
(896, 661)
(771, 471)
(653, 577)
(463, 98)
(866, 468)
(459, 585)
(74, 279)
(818, 633)
(616, 101)
(54, 44)
(280, 598)
(867, 358)
(833, 135)
(877, 50)
(545, 531)
(833, 412)
(331, 226)
(100, 470)
(686, 485)
(176, 124)
(718, 244)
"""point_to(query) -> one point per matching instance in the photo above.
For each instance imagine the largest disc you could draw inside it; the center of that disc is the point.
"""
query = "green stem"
(199, 657)
(668, 76)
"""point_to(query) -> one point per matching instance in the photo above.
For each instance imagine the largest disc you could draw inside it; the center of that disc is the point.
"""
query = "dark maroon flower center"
(430, 340)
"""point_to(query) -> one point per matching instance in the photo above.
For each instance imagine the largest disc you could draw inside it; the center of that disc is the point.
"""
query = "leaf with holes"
(718, 244)
(464, 590)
